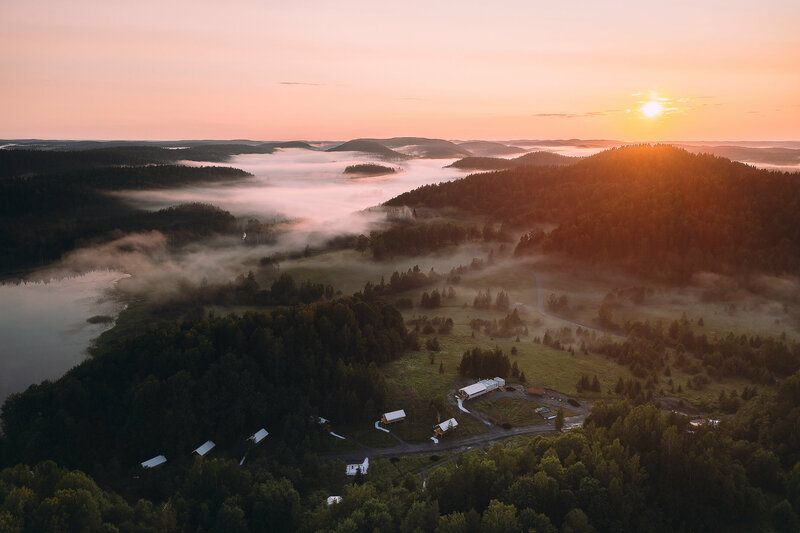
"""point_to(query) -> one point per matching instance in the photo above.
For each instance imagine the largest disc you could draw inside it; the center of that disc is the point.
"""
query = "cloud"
(587, 114)
(300, 83)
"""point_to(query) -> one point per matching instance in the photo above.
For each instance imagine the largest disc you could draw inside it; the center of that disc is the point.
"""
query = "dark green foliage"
(368, 169)
(430, 301)
(178, 385)
(417, 239)
(658, 210)
(401, 282)
(43, 216)
(478, 363)
(47, 498)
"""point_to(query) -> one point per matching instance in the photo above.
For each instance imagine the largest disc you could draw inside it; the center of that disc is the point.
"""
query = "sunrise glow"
(263, 70)
(652, 109)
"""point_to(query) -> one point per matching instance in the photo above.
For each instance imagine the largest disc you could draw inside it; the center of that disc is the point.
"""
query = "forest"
(214, 378)
(26, 162)
(658, 211)
(46, 215)
(628, 469)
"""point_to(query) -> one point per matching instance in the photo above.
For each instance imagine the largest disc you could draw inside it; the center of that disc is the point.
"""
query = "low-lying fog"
(307, 186)
(43, 323)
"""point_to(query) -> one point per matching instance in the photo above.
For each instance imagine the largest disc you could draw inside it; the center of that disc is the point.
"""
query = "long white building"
(481, 387)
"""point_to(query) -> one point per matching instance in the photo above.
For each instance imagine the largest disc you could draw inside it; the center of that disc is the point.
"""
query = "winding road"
(493, 434)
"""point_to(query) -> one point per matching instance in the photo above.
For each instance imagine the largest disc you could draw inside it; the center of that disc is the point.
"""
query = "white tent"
(205, 448)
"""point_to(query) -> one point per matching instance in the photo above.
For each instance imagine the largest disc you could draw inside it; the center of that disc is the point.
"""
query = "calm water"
(43, 326)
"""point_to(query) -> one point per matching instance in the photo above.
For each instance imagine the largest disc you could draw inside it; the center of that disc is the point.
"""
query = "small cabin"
(154, 462)
(394, 416)
(352, 470)
(444, 427)
(204, 448)
(258, 436)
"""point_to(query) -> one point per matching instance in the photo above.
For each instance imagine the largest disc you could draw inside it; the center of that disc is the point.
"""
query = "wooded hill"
(658, 210)
(535, 159)
(43, 216)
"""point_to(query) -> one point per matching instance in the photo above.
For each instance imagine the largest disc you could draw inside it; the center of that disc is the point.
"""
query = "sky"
(260, 69)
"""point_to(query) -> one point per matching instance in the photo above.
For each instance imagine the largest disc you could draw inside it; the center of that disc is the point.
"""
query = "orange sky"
(285, 70)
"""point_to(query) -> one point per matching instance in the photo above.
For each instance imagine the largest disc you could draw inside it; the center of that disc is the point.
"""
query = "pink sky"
(268, 70)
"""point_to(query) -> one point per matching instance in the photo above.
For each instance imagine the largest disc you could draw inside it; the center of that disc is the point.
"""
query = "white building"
(204, 448)
(481, 387)
(354, 469)
(334, 499)
(155, 461)
(258, 436)
(444, 427)
(394, 416)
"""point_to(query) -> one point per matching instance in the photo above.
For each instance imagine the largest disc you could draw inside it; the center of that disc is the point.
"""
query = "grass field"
(414, 382)
(513, 411)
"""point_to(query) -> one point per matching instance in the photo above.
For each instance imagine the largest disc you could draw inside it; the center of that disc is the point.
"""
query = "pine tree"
(559, 423)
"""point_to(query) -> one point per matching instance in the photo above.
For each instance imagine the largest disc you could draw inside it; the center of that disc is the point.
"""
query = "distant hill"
(425, 148)
(768, 155)
(490, 149)
(578, 143)
(498, 163)
(368, 147)
(659, 210)
(25, 161)
(368, 169)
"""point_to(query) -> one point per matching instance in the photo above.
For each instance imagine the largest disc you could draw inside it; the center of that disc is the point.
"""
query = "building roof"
(155, 461)
(475, 388)
(394, 415)
(205, 448)
(353, 469)
(259, 435)
(334, 499)
(448, 424)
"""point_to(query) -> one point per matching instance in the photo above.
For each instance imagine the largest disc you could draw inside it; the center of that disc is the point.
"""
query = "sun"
(652, 109)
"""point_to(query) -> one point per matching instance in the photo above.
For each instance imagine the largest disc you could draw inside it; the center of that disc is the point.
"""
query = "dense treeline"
(659, 210)
(368, 169)
(41, 217)
(416, 239)
(26, 162)
(498, 163)
(728, 356)
(173, 387)
(479, 363)
(245, 290)
(629, 469)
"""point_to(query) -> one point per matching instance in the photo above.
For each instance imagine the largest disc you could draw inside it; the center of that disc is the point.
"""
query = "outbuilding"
(204, 448)
(471, 391)
(394, 416)
(258, 436)
(354, 469)
(155, 461)
(481, 387)
(444, 427)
